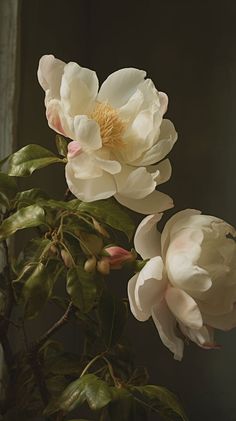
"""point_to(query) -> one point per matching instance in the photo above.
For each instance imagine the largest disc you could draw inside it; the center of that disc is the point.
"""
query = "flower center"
(111, 126)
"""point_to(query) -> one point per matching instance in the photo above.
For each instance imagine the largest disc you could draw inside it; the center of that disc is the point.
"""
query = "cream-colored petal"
(223, 321)
(58, 120)
(203, 337)
(138, 314)
(111, 166)
(87, 132)
(134, 183)
(84, 166)
(120, 86)
(165, 237)
(79, 87)
(155, 202)
(50, 72)
(161, 172)
(150, 285)
(166, 326)
(184, 308)
(90, 189)
(163, 145)
(147, 240)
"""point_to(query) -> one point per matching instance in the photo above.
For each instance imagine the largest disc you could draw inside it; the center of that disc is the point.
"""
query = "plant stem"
(91, 363)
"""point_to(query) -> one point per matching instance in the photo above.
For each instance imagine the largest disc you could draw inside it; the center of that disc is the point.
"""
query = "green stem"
(91, 363)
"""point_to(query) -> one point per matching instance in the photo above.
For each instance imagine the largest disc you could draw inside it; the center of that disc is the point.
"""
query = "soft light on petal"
(155, 202)
(184, 308)
(147, 240)
(87, 132)
(138, 314)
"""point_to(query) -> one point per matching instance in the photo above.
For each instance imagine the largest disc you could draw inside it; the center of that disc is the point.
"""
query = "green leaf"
(62, 145)
(160, 400)
(30, 197)
(111, 213)
(28, 217)
(64, 364)
(37, 290)
(113, 316)
(82, 288)
(88, 388)
(30, 158)
(72, 205)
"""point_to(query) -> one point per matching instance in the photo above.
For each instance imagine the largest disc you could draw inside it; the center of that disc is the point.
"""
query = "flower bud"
(103, 266)
(53, 249)
(99, 228)
(117, 256)
(90, 264)
(67, 259)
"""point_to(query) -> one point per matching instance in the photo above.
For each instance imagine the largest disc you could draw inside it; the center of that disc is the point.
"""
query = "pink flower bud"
(118, 256)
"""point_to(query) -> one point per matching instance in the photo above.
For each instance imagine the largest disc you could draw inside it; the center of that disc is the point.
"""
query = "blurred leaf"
(8, 185)
(88, 388)
(111, 213)
(82, 288)
(37, 290)
(62, 145)
(30, 158)
(113, 316)
(64, 364)
(161, 400)
(28, 217)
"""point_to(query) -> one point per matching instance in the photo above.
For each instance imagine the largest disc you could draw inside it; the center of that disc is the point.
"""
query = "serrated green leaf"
(28, 217)
(113, 316)
(88, 388)
(8, 189)
(37, 290)
(30, 158)
(111, 213)
(161, 400)
(62, 145)
(82, 288)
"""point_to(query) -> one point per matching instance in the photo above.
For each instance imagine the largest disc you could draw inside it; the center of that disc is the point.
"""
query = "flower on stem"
(117, 256)
(189, 284)
(117, 133)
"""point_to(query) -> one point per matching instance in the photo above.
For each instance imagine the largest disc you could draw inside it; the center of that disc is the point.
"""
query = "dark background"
(188, 48)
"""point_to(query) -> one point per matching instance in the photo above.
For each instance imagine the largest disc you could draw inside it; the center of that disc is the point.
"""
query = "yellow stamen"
(111, 126)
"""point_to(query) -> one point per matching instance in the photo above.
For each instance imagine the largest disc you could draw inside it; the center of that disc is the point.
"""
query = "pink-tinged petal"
(87, 132)
(74, 149)
(50, 72)
(147, 240)
(184, 308)
(155, 202)
(138, 314)
(166, 326)
(120, 86)
(118, 256)
(182, 259)
(58, 120)
(151, 285)
(90, 189)
(165, 237)
(203, 337)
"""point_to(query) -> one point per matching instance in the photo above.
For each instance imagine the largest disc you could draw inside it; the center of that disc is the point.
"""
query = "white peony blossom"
(189, 284)
(117, 133)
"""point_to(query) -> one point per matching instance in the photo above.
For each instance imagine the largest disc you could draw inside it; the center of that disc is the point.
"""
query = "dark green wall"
(189, 50)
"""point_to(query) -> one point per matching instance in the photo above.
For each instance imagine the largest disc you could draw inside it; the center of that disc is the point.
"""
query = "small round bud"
(67, 259)
(90, 264)
(99, 228)
(103, 266)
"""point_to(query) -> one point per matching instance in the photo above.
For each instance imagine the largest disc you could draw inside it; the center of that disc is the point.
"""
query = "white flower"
(117, 133)
(189, 284)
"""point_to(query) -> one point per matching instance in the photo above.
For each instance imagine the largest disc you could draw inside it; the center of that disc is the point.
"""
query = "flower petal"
(87, 132)
(90, 189)
(120, 86)
(161, 172)
(225, 321)
(147, 240)
(79, 87)
(134, 183)
(150, 285)
(155, 202)
(166, 140)
(50, 72)
(203, 337)
(166, 326)
(184, 307)
(138, 314)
